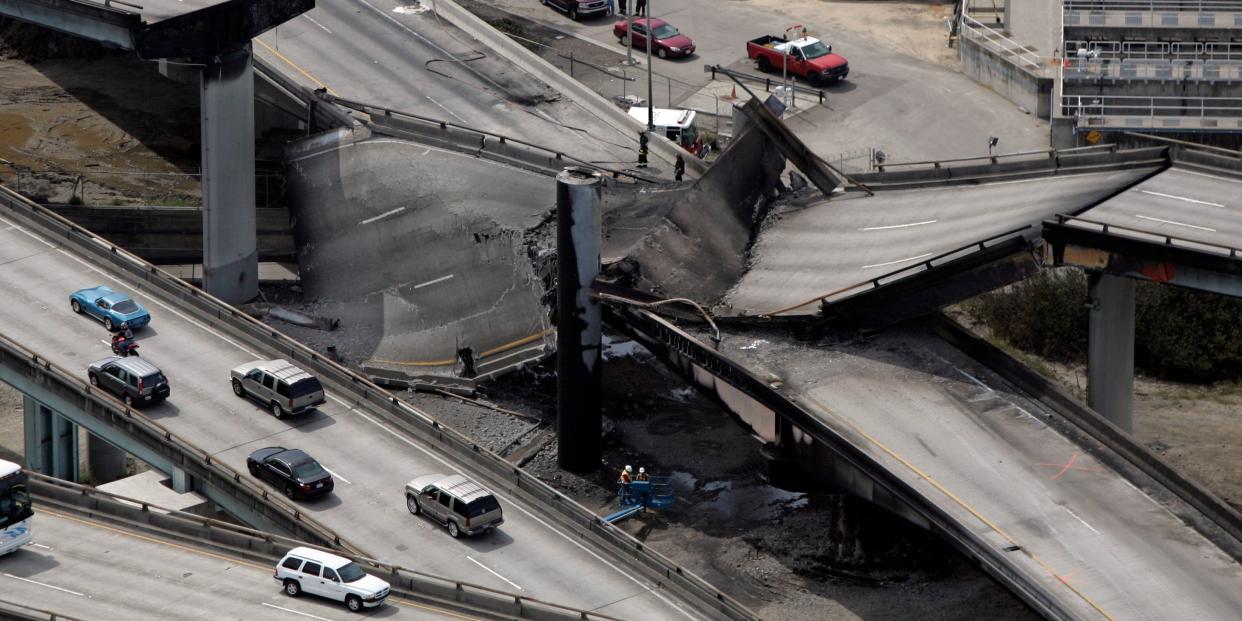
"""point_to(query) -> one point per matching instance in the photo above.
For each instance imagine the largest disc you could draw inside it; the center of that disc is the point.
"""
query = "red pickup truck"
(807, 57)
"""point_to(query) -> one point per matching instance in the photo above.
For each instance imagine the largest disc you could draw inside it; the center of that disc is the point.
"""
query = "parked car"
(116, 310)
(328, 575)
(134, 380)
(292, 471)
(807, 57)
(459, 504)
(577, 8)
(666, 41)
(278, 385)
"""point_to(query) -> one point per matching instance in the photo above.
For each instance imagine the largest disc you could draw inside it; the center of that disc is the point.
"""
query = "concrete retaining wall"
(1008, 80)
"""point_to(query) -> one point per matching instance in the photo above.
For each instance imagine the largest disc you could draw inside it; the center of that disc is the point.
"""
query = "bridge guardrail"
(22, 612)
(494, 470)
(259, 546)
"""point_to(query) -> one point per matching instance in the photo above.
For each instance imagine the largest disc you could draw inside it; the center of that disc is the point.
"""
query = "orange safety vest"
(625, 477)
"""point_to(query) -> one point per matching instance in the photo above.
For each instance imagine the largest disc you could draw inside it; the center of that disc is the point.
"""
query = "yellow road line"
(222, 557)
(963, 504)
(296, 67)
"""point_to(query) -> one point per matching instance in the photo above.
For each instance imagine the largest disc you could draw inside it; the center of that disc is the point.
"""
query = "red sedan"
(666, 42)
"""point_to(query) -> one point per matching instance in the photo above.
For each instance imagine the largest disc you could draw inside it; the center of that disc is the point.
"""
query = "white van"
(676, 125)
(331, 576)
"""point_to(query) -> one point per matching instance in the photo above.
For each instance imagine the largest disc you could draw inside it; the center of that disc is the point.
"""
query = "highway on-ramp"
(371, 461)
(93, 571)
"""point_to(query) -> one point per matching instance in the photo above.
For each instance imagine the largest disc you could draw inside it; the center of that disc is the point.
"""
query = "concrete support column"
(107, 462)
(180, 480)
(578, 329)
(51, 441)
(1110, 354)
(230, 256)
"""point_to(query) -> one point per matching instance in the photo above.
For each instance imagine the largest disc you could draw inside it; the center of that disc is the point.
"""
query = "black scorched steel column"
(577, 319)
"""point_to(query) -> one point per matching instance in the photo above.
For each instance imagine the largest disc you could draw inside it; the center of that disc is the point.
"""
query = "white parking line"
(1084, 522)
(383, 215)
(432, 282)
(47, 586)
(921, 256)
(304, 614)
(494, 573)
(336, 476)
(897, 226)
(39, 545)
(1181, 198)
(1192, 226)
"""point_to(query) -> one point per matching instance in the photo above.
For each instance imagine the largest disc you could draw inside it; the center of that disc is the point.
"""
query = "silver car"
(461, 505)
(278, 385)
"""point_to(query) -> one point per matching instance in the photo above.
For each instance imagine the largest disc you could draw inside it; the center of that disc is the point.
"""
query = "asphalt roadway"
(90, 571)
(370, 462)
(851, 237)
(988, 456)
(1183, 204)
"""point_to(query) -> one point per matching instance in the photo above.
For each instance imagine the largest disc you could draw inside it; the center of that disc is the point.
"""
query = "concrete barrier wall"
(265, 548)
(492, 470)
(593, 102)
(1008, 80)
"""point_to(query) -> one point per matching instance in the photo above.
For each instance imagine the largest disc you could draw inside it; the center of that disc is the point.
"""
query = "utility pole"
(629, 32)
(650, 97)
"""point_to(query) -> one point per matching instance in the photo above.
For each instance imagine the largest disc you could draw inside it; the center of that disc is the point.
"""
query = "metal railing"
(1188, 15)
(247, 543)
(1152, 5)
(996, 41)
(897, 274)
(996, 159)
(1181, 70)
(1150, 106)
(1164, 238)
(766, 81)
(490, 468)
(1170, 50)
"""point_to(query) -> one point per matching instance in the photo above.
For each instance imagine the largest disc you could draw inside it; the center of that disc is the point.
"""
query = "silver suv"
(134, 380)
(331, 576)
(278, 385)
(461, 505)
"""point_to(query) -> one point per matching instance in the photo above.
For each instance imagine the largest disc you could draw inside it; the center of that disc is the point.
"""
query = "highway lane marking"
(494, 573)
(1192, 226)
(63, 590)
(443, 107)
(432, 282)
(296, 67)
(961, 503)
(312, 20)
(39, 545)
(897, 226)
(1084, 522)
(335, 475)
(391, 212)
(304, 614)
(524, 510)
(921, 256)
(1181, 198)
(970, 377)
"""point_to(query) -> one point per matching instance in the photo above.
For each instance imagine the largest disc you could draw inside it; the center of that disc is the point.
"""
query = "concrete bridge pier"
(51, 441)
(230, 253)
(1110, 349)
(578, 320)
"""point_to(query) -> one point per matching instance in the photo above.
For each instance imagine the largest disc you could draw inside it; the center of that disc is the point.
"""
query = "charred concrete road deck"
(995, 460)
(827, 248)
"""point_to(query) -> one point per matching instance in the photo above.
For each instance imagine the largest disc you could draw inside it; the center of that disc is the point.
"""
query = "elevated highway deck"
(372, 460)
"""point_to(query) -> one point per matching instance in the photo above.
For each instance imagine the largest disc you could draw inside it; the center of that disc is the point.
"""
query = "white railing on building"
(996, 41)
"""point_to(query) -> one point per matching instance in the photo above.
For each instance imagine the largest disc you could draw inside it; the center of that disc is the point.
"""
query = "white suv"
(330, 576)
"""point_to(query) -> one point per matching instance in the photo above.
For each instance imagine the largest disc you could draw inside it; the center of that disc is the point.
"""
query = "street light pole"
(629, 32)
(650, 98)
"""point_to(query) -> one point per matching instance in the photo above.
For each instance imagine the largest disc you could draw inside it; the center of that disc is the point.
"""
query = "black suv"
(134, 380)
(577, 8)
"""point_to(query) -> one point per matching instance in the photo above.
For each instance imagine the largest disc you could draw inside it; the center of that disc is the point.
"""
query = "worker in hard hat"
(627, 476)
(642, 475)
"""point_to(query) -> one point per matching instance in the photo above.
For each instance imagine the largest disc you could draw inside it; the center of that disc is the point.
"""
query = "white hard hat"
(629, 469)
(642, 469)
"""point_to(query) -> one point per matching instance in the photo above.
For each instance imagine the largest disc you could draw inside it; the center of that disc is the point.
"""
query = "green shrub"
(1180, 334)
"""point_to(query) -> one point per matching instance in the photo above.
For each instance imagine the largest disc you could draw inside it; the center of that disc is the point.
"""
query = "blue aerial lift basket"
(656, 493)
